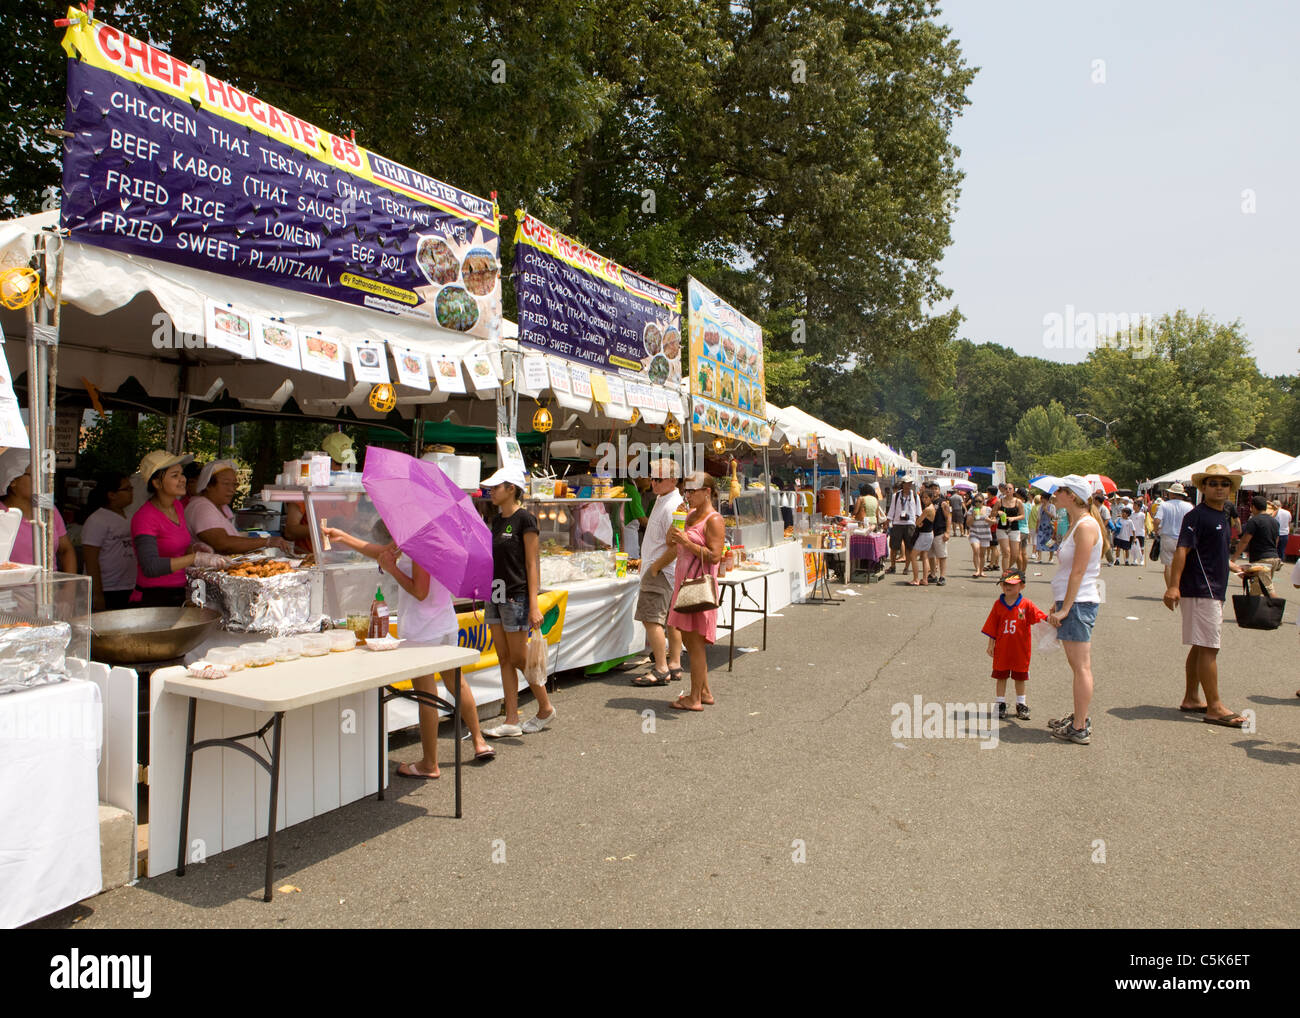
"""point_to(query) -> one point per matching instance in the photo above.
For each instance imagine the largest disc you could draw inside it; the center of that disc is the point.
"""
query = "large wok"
(149, 634)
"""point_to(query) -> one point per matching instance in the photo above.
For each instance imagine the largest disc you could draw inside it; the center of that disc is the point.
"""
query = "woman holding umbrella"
(425, 616)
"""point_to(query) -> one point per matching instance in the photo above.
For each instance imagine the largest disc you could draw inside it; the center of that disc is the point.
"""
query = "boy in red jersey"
(1010, 645)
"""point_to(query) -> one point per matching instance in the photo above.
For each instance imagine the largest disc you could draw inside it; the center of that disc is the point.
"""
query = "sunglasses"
(1215, 482)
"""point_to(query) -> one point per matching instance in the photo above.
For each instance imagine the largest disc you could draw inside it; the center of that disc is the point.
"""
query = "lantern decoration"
(719, 445)
(542, 420)
(383, 398)
(19, 287)
(672, 430)
(787, 448)
(636, 416)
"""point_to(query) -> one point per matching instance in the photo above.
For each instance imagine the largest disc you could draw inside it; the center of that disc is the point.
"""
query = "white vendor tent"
(1243, 460)
(114, 328)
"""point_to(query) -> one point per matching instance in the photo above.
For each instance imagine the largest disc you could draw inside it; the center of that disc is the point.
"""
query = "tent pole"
(43, 321)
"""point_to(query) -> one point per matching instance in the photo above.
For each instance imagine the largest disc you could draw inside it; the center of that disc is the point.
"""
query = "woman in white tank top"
(1076, 594)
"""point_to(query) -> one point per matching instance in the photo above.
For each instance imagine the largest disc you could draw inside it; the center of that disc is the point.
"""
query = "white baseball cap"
(507, 475)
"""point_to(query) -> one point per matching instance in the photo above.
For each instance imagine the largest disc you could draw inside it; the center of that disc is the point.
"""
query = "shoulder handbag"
(1257, 611)
(698, 593)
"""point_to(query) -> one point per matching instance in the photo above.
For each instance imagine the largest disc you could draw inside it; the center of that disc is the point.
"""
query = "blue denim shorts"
(511, 616)
(1077, 626)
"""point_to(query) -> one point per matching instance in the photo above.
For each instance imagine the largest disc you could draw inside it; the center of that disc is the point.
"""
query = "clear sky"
(1126, 195)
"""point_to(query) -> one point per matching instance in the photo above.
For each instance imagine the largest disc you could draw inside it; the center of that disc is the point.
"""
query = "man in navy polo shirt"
(1199, 584)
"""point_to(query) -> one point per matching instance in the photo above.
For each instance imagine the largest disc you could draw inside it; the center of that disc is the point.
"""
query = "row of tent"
(114, 304)
(1260, 468)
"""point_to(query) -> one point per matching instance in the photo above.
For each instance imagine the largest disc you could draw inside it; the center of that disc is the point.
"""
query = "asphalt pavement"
(806, 797)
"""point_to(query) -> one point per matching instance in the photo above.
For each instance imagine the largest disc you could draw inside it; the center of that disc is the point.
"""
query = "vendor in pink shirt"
(16, 482)
(211, 520)
(164, 547)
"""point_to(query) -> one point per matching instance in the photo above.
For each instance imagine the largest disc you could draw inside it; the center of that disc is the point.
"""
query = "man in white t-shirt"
(904, 509)
(1169, 522)
(1283, 529)
(657, 578)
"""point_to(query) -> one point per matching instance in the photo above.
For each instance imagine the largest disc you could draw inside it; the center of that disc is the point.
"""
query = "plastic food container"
(383, 643)
(315, 644)
(259, 654)
(342, 640)
(232, 659)
(287, 648)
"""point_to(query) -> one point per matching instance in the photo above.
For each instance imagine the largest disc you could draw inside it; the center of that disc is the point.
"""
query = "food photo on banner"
(726, 367)
(577, 304)
(166, 161)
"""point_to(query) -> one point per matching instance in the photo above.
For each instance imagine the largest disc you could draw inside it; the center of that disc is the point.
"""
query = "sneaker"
(503, 731)
(1059, 722)
(941, 580)
(1071, 734)
(535, 724)
(1022, 712)
(1002, 712)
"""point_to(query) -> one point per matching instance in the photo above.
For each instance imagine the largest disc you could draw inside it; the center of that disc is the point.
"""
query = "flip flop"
(1192, 710)
(709, 702)
(486, 756)
(1227, 721)
(408, 770)
(678, 705)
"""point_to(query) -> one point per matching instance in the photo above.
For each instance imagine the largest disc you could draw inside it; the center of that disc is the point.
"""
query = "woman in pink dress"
(699, 550)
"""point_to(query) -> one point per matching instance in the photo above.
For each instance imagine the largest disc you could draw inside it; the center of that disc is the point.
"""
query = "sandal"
(410, 770)
(655, 678)
(676, 675)
(1227, 721)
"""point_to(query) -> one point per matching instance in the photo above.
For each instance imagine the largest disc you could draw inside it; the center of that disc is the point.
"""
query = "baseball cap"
(1077, 485)
(507, 475)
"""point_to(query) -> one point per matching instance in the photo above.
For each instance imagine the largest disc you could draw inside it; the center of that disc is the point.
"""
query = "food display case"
(44, 629)
(565, 558)
(346, 580)
(753, 519)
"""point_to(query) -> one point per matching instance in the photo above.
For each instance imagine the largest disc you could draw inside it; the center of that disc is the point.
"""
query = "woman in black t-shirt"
(513, 612)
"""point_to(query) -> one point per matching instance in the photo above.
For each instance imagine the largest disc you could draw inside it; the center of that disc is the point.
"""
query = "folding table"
(291, 685)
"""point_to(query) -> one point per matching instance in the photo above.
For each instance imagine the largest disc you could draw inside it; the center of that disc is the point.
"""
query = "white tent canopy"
(1244, 460)
(113, 304)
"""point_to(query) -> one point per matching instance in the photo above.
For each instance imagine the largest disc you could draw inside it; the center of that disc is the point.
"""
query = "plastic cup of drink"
(620, 565)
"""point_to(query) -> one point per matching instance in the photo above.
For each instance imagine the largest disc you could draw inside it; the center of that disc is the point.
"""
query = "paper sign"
(599, 387)
(227, 328)
(277, 342)
(321, 354)
(581, 380)
(559, 372)
(481, 372)
(446, 373)
(412, 368)
(510, 455)
(660, 398)
(370, 361)
(617, 390)
(535, 378)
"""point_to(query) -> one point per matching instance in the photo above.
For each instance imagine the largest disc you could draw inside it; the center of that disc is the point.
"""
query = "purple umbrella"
(431, 520)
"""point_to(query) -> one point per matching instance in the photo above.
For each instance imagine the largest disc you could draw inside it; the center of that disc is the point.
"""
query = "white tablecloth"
(49, 799)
